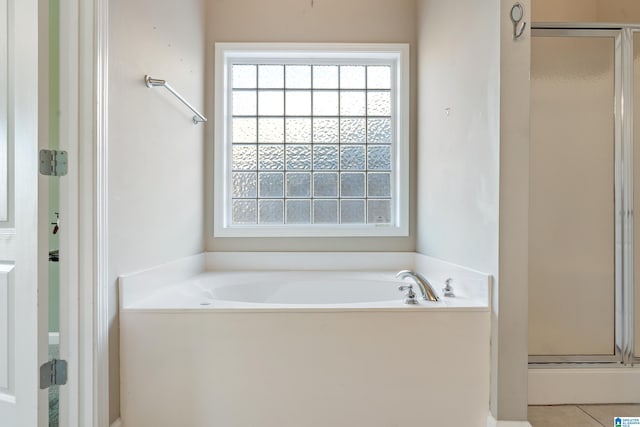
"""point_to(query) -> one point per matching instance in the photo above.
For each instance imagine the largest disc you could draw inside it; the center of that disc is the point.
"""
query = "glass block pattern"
(311, 144)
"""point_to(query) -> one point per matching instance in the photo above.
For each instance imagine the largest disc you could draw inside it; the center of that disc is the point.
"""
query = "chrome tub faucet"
(428, 294)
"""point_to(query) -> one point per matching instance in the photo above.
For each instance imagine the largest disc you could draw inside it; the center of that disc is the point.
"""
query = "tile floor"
(580, 415)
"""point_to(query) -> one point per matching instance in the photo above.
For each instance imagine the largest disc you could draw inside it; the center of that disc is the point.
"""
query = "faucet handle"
(448, 289)
(410, 298)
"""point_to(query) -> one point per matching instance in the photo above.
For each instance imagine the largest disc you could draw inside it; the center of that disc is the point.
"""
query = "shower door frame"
(629, 309)
(623, 354)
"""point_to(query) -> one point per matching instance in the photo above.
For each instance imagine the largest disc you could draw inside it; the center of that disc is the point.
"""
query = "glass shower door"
(573, 196)
(635, 326)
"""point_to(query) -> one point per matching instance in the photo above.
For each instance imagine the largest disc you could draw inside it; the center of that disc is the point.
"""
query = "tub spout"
(426, 289)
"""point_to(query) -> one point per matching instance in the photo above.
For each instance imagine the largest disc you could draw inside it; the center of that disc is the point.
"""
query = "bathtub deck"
(304, 369)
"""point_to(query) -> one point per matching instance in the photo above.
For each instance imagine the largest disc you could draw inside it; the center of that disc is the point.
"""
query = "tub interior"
(370, 283)
(309, 291)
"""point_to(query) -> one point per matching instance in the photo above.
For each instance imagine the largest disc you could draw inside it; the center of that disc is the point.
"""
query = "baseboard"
(549, 386)
(492, 422)
(117, 423)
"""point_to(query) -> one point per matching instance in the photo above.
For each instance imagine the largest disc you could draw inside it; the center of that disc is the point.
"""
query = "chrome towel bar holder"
(151, 82)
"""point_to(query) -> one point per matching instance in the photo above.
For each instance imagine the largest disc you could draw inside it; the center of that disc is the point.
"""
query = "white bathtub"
(295, 290)
(301, 348)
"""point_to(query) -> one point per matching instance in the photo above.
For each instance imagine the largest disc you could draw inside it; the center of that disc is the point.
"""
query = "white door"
(22, 329)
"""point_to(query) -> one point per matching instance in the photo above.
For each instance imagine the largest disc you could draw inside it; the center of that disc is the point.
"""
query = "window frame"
(395, 54)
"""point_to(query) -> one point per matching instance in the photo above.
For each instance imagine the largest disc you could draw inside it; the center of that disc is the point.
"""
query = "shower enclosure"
(582, 243)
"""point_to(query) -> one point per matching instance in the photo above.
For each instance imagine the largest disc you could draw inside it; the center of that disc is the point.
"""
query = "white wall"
(458, 136)
(156, 156)
(472, 145)
(358, 21)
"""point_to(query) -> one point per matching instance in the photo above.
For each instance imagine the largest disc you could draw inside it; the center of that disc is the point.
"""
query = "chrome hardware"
(151, 82)
(410, 298)
(517, 13)
(447, 291)
(53, 162)
(426, 289)
(53, 372)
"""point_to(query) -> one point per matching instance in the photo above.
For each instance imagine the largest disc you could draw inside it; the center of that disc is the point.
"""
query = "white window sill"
(330, 230)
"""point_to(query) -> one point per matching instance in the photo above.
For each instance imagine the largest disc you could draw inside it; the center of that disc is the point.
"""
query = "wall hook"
(517, 13)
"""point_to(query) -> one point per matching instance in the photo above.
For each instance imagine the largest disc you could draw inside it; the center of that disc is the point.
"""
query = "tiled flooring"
(580, 415)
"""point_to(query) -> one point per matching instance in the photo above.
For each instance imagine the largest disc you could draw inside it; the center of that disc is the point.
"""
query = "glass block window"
(312, 142)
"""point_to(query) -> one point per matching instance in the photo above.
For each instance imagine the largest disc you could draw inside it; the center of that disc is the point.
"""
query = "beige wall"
(510, 326)
(627, 11)
(359, 21)
(155, 151)
(618, 11)
(564, 10)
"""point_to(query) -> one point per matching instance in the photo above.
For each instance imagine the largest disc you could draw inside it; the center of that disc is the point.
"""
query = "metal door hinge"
(54, 372)
(53, 162)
